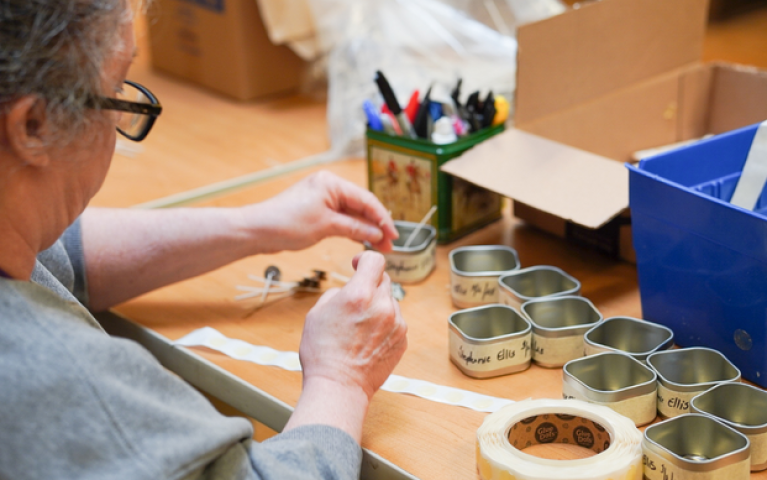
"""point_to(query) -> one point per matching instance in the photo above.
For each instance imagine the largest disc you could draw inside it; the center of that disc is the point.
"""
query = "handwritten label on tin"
(508, 298)
(657, 468)
(557, 351)
(671, 403)
(490, 357)
(411, 267)
(473, 291)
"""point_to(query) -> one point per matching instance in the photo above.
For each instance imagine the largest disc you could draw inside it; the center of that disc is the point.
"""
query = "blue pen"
(435, 110)
(374, 121)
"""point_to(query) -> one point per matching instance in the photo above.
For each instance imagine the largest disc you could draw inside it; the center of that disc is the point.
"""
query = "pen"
(391, 102)
(501, 110)
(435, 110)
(472, 110)
(411, 110)
(488, 110)
(387, 125)
(456, 93)
(374, 121)
(421, 122)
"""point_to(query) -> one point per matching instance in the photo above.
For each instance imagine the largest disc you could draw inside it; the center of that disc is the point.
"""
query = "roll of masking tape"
(503, 435)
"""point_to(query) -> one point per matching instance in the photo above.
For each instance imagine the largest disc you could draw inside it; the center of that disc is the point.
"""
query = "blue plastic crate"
(702, 262)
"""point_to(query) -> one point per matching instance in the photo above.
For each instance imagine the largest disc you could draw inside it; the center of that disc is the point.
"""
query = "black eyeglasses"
(140, 108)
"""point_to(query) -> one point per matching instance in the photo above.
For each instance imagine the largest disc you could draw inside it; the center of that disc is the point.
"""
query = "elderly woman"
(76, 403)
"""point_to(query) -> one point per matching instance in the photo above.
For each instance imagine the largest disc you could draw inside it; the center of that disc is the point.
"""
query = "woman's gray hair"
(55, 49)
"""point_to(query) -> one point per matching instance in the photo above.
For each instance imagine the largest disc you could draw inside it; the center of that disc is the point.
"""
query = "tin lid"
(741, 406)
(692, 369)
(483, 260)
(423, 237)
(609, 377)
(565, 316)
(489, 324)
(697, 443)
(539, 281)
(638, 338)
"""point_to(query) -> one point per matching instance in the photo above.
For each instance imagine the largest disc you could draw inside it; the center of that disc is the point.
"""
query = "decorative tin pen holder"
(474, 273)
(490, 340)
(531, 283)
(686, 372)
(415, 262)
(743, 408)
(614, 380)
(558, 327)
(632, 336)
(695, 447)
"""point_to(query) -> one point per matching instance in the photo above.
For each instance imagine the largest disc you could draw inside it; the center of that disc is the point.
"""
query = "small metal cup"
(416, 262)
(474, 273)
(489, 341)
(558, 327)
(531, 283)
(693, 446)
(614, 380)
(686, 372)
(632, 336)
(743, 408)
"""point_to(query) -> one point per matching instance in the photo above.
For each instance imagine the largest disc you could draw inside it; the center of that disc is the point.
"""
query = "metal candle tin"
(694, 447)
(558, 327)
(743, 408)
(614, 380)
(489, 340)
(632, 336)
(686, 372)
(530, 283)
(416, 262)
(474, 273)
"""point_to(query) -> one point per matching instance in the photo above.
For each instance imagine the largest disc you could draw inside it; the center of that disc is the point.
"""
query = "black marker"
(421, 122)
(393, 104)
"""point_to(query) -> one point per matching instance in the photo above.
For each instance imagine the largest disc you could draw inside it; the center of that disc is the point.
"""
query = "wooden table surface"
(203, 138)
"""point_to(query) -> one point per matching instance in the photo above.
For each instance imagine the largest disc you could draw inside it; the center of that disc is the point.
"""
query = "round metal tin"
(743, 408)
(693, 446)
(474, 272)
(614, 380)
(558, 327)
(489, 340)
(632, 336)
(683, 373)
(417, 261)
(535, 282)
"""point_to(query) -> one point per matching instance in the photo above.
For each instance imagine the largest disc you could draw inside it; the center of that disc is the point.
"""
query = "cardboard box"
(701, 261)
(404, 175)
(594, 85)
(222, 45)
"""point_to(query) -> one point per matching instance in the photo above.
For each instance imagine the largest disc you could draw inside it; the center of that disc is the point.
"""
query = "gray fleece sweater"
(76, 403)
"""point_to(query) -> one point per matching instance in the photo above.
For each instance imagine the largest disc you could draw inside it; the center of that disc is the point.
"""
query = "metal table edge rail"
(230, 389)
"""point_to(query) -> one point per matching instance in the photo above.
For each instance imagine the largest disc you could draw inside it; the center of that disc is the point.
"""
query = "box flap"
(579, 186)
(600, 47)
(738, 99)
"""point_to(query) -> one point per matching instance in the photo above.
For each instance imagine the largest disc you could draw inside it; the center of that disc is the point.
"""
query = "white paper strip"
(754, 175)
(262, 355)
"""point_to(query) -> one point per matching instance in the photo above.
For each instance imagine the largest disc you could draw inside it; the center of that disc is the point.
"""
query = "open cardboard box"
(594, 85)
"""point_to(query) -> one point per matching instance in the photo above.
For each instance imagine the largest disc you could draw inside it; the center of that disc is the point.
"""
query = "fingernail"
(375, 235)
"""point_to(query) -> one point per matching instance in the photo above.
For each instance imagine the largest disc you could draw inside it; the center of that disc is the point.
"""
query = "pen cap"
(443, 132)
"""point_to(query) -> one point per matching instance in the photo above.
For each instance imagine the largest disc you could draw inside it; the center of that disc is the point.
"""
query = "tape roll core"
(613, 437)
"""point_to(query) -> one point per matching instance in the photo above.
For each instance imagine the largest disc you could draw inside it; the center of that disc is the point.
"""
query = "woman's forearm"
(131, 252)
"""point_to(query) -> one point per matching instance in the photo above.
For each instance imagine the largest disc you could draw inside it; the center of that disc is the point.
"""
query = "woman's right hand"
(355, 335)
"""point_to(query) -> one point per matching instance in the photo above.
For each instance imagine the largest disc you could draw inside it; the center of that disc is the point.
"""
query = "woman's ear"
(27, 130)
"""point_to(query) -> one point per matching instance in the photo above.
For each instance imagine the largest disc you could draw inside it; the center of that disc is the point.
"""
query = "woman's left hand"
(320, 206)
